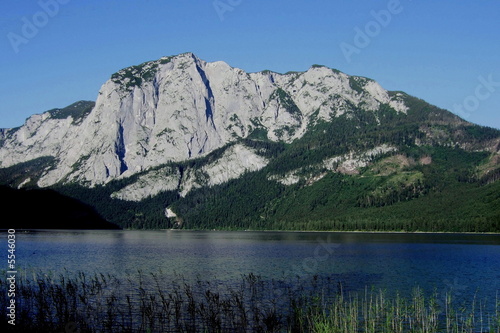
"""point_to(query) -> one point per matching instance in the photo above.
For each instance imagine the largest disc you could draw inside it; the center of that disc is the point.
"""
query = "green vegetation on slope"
(444, 195)
(434, 201)
(440, 174)
(78, 111)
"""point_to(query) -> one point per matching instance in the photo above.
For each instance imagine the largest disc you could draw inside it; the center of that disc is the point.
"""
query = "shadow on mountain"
(47, 209)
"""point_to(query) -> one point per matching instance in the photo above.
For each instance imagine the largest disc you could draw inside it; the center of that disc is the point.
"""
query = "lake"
(460, 264)
(189, 281)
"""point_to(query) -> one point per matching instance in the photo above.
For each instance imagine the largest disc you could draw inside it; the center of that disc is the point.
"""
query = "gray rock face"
(179, 108)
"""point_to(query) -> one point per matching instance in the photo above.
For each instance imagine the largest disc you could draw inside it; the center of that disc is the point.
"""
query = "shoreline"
(271, 230)
(332, 231)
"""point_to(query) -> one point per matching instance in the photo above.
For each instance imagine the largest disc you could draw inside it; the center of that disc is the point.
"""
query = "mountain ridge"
(127, 87)
(177, 130)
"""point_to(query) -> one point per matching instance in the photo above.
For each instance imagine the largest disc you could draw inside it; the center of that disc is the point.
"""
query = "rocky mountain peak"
(179, 108)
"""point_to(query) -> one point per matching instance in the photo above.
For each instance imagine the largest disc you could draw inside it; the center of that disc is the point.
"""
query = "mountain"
(47, 210)
(183, 142)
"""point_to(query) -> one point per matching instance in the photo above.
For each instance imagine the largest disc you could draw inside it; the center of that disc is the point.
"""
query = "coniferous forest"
(442, 175)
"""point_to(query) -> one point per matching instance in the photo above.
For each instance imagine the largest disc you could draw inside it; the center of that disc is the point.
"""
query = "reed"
(158, 302)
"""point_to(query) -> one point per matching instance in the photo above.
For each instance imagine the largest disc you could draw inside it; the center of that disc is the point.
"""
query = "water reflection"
(390, 261)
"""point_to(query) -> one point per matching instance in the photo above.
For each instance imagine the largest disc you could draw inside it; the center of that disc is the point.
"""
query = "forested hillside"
(182, 143)
(435, 179)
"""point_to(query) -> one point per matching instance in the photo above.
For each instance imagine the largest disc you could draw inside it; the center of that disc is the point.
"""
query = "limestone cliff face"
(179, 108)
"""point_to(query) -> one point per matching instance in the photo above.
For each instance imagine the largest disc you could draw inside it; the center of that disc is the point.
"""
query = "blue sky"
(56, 52)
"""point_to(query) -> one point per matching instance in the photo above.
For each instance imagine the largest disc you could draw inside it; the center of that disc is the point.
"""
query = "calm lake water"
(463, 265)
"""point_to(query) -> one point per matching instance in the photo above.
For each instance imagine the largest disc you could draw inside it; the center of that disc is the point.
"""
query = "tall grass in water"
(373, 312)
(160, 303)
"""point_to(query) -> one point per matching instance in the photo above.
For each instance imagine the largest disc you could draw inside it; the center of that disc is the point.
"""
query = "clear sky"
(447, 52)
